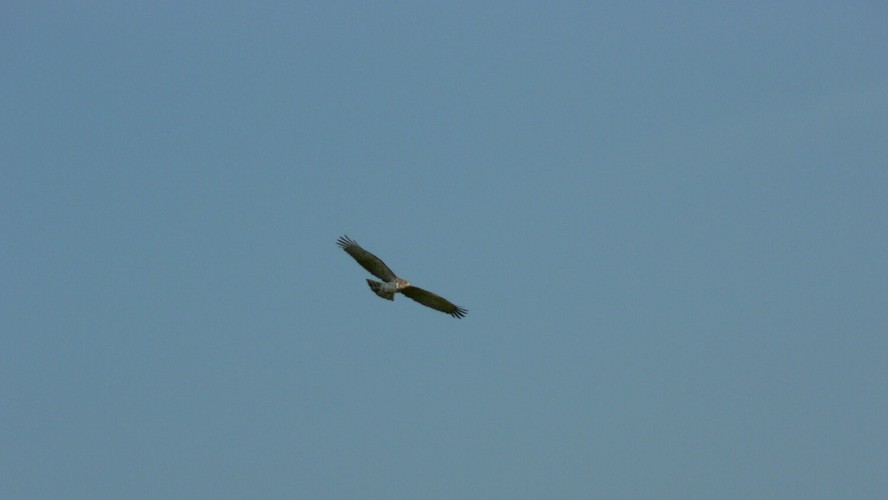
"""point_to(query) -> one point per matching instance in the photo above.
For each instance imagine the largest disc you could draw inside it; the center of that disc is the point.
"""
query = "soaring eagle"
(393, 284)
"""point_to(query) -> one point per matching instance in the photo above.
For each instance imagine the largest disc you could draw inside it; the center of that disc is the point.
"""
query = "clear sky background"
(669, 223)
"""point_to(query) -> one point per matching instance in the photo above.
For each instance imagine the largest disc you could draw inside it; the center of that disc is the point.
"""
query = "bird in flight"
(392, 284)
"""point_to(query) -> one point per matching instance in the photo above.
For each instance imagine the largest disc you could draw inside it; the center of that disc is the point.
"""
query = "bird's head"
(401, 283)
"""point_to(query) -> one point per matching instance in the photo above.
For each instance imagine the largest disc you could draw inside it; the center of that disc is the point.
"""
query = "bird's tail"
(376, 286)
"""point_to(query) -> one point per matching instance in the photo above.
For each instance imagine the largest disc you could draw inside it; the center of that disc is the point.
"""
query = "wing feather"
(366, 259)
(434, 301)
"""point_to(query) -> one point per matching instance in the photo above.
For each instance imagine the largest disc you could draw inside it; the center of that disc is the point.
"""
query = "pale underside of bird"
(392, 284)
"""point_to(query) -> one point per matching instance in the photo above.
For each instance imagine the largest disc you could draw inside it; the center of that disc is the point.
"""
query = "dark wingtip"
(459, 313)
(345, 242)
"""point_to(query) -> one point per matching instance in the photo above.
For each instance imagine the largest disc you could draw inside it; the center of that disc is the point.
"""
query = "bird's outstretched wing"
(366, 259)
(434, 301)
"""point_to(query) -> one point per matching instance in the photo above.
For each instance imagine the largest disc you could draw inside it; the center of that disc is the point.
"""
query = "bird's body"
(392, 284)
(388, 290)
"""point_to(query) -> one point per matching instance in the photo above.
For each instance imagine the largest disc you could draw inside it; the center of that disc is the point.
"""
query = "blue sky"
(668, 223)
